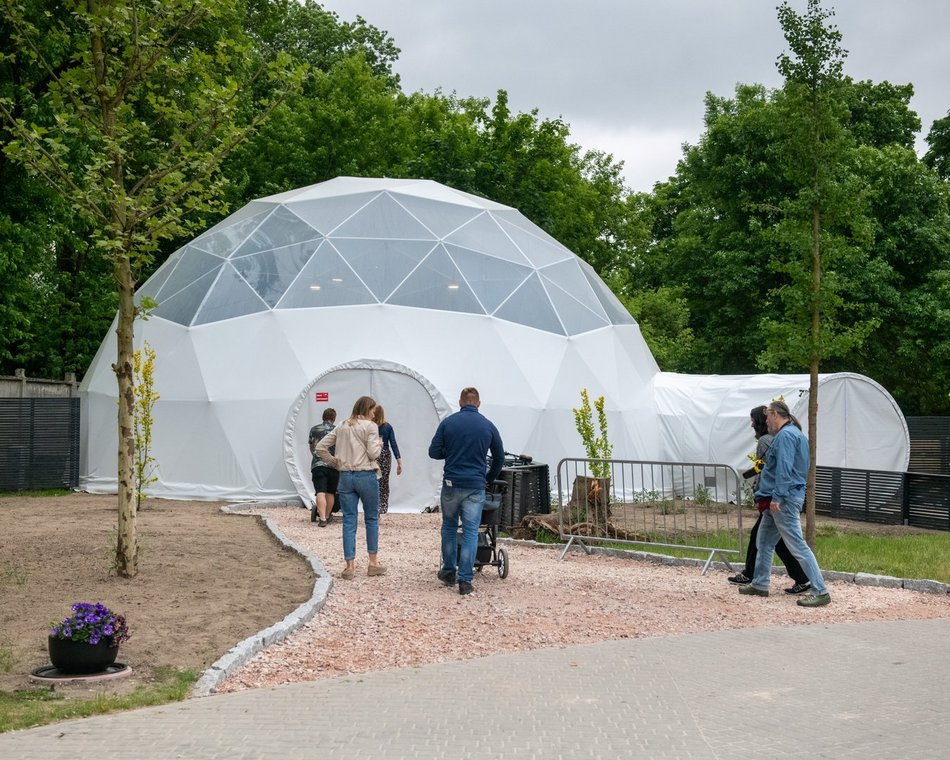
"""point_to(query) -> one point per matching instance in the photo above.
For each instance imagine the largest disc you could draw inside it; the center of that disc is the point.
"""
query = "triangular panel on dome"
(575, 317)
(383, 218)
(229, 297)
(438, 216)
(383, 264)
(225, 239)
(270, 273)
(326, 214)
(569, 277)
(255, 207)
(491, 279)
(326, 280)
(192, 265)
(182, 306)
(437, 284)
(615, 311)
(530, 305)
(426, 188)
(154, 283)
(538, 250)
(484, 235)
(197, 421)
(280, 229)
(513, 218)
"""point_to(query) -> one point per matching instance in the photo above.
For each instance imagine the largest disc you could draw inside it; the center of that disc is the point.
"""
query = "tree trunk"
(813, 378)
(126, 550)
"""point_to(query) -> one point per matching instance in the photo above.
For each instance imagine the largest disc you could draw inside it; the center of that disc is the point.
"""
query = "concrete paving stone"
(869, 579)
(854, 690)
(930, 587)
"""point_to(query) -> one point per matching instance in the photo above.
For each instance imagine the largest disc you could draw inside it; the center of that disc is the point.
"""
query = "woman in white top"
(357, 446)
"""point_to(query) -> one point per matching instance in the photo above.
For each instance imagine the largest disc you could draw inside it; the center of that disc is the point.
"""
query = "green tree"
(816, 164)
(938, 140)
(127, 110)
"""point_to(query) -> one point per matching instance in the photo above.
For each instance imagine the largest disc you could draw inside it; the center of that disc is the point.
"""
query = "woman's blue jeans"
(355, 487)
(787, 525)
(463, 504)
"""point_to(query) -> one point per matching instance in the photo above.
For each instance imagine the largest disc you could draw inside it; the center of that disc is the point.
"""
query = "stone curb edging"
(860, 579)
(241, 652)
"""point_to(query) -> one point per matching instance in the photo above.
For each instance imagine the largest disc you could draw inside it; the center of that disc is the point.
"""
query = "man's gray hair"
(781, 409)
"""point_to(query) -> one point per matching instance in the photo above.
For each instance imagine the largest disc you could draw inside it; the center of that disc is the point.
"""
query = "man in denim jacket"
(783, 482)
(463, 440)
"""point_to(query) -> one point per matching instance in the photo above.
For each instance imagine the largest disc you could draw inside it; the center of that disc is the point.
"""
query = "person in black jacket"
(463, 439)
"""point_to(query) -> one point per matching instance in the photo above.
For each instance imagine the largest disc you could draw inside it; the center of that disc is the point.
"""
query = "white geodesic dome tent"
(405, 290)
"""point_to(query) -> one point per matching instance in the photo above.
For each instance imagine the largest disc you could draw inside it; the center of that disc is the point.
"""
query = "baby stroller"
(487, 551)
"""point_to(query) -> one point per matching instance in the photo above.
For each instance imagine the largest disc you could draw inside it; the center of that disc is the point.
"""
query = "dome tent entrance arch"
(414, 407)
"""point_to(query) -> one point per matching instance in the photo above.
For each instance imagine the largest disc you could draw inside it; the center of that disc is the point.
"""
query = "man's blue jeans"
(787, 525)
(465, 505)
(355, 487)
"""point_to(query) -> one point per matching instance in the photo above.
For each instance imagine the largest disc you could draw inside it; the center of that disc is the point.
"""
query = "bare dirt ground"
(207, 580)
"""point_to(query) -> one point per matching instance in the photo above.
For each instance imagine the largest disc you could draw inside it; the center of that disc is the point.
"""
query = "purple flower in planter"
(92, 623)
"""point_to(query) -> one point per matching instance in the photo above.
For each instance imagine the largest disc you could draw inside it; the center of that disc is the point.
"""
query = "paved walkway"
(863, 690)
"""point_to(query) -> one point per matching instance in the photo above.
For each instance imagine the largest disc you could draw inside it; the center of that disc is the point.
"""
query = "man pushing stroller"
(463, 440)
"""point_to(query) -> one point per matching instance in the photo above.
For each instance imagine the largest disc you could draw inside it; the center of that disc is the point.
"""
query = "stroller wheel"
(478, 568)
(502, 563)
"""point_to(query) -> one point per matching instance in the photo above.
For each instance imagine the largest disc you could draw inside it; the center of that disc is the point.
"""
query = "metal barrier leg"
(579, 543)
(709, 559)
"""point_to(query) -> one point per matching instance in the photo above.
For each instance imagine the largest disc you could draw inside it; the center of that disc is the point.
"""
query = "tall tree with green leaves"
(127, 108)
(937, 156)
(824, 200)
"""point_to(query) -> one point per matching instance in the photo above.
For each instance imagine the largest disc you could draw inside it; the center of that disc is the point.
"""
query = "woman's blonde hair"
(379, 415)
(363, 407)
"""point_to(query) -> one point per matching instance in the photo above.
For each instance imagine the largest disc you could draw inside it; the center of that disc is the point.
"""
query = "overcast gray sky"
(629, 76)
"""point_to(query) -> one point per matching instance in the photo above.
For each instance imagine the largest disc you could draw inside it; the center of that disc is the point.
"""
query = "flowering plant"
(92, 623)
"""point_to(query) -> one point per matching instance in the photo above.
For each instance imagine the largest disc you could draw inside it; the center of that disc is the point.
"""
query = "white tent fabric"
(405, 290)
(408, 291)
(705, 418)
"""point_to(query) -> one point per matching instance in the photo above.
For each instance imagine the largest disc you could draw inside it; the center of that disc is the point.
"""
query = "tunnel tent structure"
(405, 290)
(705, 418)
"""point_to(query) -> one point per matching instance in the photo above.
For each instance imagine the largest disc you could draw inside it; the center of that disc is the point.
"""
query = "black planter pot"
(80, 657)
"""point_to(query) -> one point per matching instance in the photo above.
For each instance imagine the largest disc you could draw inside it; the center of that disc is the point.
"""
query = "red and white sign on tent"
(321, 397)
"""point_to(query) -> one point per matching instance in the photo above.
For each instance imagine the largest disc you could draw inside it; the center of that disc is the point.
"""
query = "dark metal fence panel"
(869, 495)
(39, 443)
(928, 500)
(895, 498)
(929, 444)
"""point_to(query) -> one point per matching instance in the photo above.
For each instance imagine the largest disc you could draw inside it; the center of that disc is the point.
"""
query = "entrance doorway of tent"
(413, 407)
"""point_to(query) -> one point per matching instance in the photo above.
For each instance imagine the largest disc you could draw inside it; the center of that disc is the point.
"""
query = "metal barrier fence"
(39, 443)
(895, 498)
(679, 505)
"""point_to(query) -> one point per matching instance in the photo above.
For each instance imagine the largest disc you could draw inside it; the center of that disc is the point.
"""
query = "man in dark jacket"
(463, 439)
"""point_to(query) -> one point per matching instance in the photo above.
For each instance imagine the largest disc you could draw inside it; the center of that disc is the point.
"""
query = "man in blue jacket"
(783, 482)
(463, 440)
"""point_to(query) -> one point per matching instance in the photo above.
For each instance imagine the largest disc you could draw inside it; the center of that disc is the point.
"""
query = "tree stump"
(590, 502)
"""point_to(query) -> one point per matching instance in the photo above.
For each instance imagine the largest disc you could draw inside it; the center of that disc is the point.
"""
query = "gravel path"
(407, 618)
